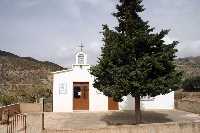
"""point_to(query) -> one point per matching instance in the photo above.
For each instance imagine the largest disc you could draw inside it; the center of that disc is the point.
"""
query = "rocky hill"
(24, 70)
(190, 66)
(25, 73)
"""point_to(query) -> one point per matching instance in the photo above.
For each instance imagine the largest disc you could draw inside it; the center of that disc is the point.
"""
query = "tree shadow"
(128, 118)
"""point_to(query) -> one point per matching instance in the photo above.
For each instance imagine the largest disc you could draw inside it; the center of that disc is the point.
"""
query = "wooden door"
(112, 105)
(81, 96)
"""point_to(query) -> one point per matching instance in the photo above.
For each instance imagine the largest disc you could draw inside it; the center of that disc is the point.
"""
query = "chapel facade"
(73, 91)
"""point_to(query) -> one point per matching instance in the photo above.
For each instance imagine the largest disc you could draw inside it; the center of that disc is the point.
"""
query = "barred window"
(81, 59)
(62, 88)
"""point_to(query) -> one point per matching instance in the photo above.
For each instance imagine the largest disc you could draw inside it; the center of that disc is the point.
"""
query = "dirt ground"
(84, 120)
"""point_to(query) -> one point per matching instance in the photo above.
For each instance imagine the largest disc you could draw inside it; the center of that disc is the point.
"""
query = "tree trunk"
(138, 114)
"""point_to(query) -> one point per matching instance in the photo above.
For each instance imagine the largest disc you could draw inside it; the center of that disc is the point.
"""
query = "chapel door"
(81, 96)
(112, 105)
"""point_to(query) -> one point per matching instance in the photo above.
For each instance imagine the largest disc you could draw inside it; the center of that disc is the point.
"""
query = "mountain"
(190, 66)
(24, 79)
(24, 70)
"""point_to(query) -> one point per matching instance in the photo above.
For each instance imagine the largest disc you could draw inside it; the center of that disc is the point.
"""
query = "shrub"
(6, 100)
(192, 84)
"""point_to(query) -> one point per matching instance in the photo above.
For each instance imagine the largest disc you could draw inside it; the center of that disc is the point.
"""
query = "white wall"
(62, 102)
(98, 101)
(160, 102)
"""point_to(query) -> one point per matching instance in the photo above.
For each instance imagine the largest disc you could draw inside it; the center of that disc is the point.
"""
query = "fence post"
(42, 100)
(25, 124)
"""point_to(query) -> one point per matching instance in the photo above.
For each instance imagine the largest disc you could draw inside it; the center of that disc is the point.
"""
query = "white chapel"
(73, 91)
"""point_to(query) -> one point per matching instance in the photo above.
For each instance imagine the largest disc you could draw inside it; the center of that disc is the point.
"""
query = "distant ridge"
(190, 66)
(25, 79)
(17, 61)
(4, 53)
(190, 60)
(25, 70)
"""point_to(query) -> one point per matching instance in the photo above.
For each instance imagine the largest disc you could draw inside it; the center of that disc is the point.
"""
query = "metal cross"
(81, 46)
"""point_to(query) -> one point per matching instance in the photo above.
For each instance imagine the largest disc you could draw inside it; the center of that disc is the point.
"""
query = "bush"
(192, 84)
(6, 100)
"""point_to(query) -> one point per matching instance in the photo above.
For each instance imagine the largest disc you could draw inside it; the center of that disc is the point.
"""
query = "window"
(62, 88)
(81, 59)
(77, 92)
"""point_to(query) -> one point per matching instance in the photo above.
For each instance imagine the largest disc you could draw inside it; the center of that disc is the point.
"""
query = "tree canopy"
(135, 60)
(191, 84)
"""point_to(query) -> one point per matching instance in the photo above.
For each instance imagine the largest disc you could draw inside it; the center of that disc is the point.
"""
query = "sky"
(53, 29)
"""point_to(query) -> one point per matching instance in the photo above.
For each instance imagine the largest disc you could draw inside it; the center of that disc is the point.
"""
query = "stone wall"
(148, 128)
(188, 105)
(30, 107)
(179, 95)
(188, 101)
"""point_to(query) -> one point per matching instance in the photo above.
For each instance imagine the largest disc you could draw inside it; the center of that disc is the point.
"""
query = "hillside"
(190, 66)
(25, 75)
(24, 70)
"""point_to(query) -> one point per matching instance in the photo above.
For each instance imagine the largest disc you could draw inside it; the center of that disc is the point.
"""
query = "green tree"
(135, 60)
(191, 84)
(33, 94)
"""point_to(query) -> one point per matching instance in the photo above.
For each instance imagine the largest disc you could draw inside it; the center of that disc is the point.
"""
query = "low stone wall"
(30, 107)
(188, 105)
(148, 128)
(188, 101)
(179, 95)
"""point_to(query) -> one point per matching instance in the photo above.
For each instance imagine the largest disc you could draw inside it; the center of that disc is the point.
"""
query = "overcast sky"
(53, 29)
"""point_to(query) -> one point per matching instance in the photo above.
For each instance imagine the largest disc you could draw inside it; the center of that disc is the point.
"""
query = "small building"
(73, 91)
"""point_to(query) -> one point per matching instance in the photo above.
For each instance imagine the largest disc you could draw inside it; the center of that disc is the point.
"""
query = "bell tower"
(81, 58)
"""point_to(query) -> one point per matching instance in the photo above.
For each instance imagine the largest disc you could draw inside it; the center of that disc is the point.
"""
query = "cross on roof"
(81, 46)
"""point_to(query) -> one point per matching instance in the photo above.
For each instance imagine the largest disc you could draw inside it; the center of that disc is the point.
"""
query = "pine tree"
(135, 60)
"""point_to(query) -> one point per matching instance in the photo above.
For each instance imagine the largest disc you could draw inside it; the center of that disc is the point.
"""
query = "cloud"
(52, 29)
(169, 40)
(27, 3)
(190, 48)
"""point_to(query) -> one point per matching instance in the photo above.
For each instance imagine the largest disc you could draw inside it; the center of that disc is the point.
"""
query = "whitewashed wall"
(62, 102)
(98, 102)
(158, 102)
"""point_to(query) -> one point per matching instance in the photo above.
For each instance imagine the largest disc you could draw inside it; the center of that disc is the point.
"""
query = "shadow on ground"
(128, 118)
